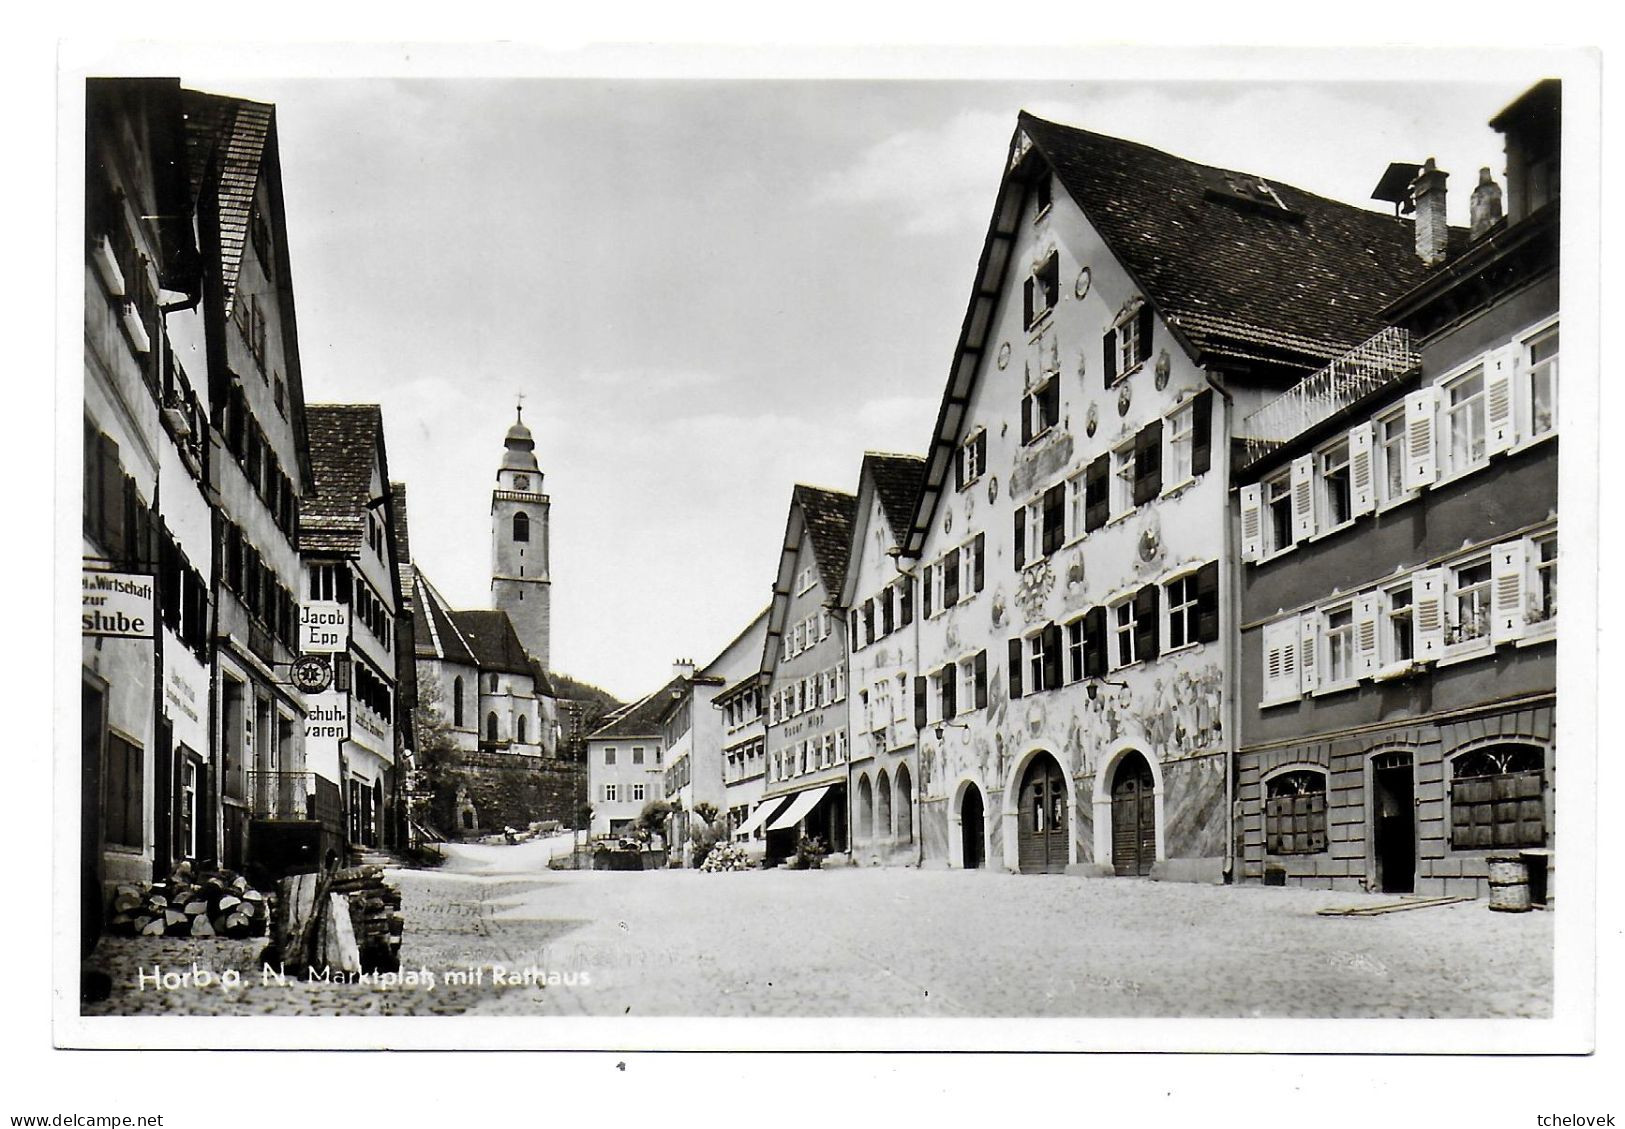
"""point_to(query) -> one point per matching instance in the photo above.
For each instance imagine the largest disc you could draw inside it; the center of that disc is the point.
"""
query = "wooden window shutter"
(1202, 433)
(1309, 651)
(950, 579)
(1054, 526)
(1303, 498)
(1252, 521)
(1147, 627)
(1053, 650)
(925, 591)
(948, 679)
(1207, 603)
(1421, 458)
(980, 670)
(1509, 574)
(1500, 398)
(921, 699)
(1108, 350)
(1144, 314)
(1280, 674)
(981, 452)
(111, 496)
(1367, 633)
(977, 570)
(905, 598)
(1362, 469)
(1427, 613)
(1021, 537)
(1097, 493)
(1050, 397)
(1148, 463)
(1027, 301)
(959, 468)
(341, 590)
(1094, 643)
(1015, 667)
(1027, 409)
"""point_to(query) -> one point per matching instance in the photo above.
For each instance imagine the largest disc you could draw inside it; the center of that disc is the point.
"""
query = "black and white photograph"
(673, 552)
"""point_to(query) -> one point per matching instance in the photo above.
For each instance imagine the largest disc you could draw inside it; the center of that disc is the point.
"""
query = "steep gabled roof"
(490, 635)
(827, 515)
(641, 718)
(345, 441)
(403, 542)
(226, 142)
(435, 635)
(895, 481)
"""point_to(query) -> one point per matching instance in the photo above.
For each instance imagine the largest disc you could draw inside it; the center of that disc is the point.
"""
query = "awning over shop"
(763, 811)
(803, 803)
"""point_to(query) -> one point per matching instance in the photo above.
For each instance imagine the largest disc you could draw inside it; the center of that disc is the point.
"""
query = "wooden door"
(1042, 821)
(1393, 817)
(971, 829)
(1134, 817)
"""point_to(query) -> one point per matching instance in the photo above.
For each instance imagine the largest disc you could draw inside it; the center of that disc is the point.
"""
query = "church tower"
(520, 582)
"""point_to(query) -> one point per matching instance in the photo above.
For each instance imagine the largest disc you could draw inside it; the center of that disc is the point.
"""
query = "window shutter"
(981, 452)
(1027, 301)
(977, 569)
(1427, 615)
(1021, 537)
(1500, 375)
(1202, 433)
(1509, 572)
(980, 663)
(1050, 397)
(1094, 643)
(949, 679)
(920, 692)
(1108, 346)
(1097, 495)
(1421, 462)
(950, 579)
(1147, 627)
(1303, 498)
(342, 587)
(852, 633)
(1027, 419)
(1015, 667)
(1309, 651)
(926, 590)
(1052, 656)
(905, 598)
(959, 468)
(1148, 463)
(112, 497)
(1280, 644)
(1252, 521)
(1367, 632)
(1144, 314)
(1362, 482)
(1207, 602)
(1054, 517)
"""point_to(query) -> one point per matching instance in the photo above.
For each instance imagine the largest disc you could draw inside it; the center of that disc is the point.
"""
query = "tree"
(432, 785)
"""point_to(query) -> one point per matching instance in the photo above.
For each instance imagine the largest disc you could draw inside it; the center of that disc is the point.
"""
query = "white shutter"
(1427, 602)
(1309, 651)
(1421, 461)
(1303, 498)
(1252, 521)
(1362, 480)
(1509, 578)
(1367, 622)
(1500, 374)
(1280, 661)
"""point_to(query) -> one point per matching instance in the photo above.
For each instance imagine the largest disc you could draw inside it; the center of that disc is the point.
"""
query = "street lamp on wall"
(942, 725)
(1094, 684)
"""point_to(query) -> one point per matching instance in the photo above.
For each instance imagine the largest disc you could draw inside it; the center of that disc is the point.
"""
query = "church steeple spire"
(520, 581)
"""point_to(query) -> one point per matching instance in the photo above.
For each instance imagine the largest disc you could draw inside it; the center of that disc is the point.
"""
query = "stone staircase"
(374, 856)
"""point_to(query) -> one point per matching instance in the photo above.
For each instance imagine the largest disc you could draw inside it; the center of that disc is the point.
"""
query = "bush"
(725, 856)
(810, 854)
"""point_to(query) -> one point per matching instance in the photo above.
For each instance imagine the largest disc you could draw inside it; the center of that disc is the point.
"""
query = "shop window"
(1496, 798)
(1295, 813)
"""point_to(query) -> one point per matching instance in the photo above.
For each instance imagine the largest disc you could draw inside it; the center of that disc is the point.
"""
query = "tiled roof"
(435, 635)
(828, 515)
(642, 718)
(491, 636)
(1311, 276)
(897, 482)
(344, 441)
(403, 543)
(544, 684)
(226, 140)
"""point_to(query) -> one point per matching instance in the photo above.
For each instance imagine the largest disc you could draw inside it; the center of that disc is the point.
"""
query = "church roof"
(490, 635)
(344, 445)
(435, 634)
(520, 448)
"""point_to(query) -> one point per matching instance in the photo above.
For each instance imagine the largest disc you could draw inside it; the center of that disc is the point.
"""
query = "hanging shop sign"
(312, 673)
(118, 605)
(327, 723)
(324, 627)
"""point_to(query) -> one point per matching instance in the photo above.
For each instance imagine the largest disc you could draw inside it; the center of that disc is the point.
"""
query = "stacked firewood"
(375, 916)
(345, 920)
(215, 903)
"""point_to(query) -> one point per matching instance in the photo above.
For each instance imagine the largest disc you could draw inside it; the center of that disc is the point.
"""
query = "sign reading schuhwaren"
(324, 627)
(327, 722)
(118, 605)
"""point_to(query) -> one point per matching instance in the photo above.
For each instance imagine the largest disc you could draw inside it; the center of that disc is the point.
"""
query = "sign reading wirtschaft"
(118, 605)
(324, 627)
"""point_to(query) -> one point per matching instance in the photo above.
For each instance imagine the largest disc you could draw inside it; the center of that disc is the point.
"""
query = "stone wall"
(507, 790)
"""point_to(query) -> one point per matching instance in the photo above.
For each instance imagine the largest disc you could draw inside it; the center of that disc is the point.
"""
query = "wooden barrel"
(1509, 884)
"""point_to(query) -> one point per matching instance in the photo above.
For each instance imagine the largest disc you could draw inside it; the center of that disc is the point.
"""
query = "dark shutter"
(1052, 656)
(950, 580)
(1094, 643)
(959, 468)
(1146, 625)
(1202, 433)
(1148, 463)
(949, 677)
(1050, 275)
(925, 592)
(1027, 419)
(1145, 332)
(1108, 350)
(905, 594)
(1050, 397)
(1097, 493)
(1207, 602)
(1054, 517)
(920, 692)
(1015, 667)
(981, 452)
(976, 561)
(170, 593)
(981, 679)
(341, 588)
(112, 497)
(1021, 537)
(1027, 301)
(857, 640)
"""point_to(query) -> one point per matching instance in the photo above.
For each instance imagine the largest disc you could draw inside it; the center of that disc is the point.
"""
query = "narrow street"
(849, 942)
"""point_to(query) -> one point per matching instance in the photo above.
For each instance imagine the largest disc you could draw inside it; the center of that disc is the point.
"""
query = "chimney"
(1432, 232)
(682, 668)
(1486, 204)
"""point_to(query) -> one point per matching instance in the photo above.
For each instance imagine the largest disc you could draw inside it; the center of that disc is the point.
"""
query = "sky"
(708, 290)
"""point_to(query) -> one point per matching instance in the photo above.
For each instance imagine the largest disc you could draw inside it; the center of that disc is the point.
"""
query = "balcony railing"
(280, 795)
(1350, 378)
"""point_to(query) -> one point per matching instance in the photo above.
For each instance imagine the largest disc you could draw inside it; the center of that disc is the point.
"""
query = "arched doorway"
(866, 809)
(905, 805)
(973, 835)
(883, 828)
(1043, 822)
(1134, 816)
